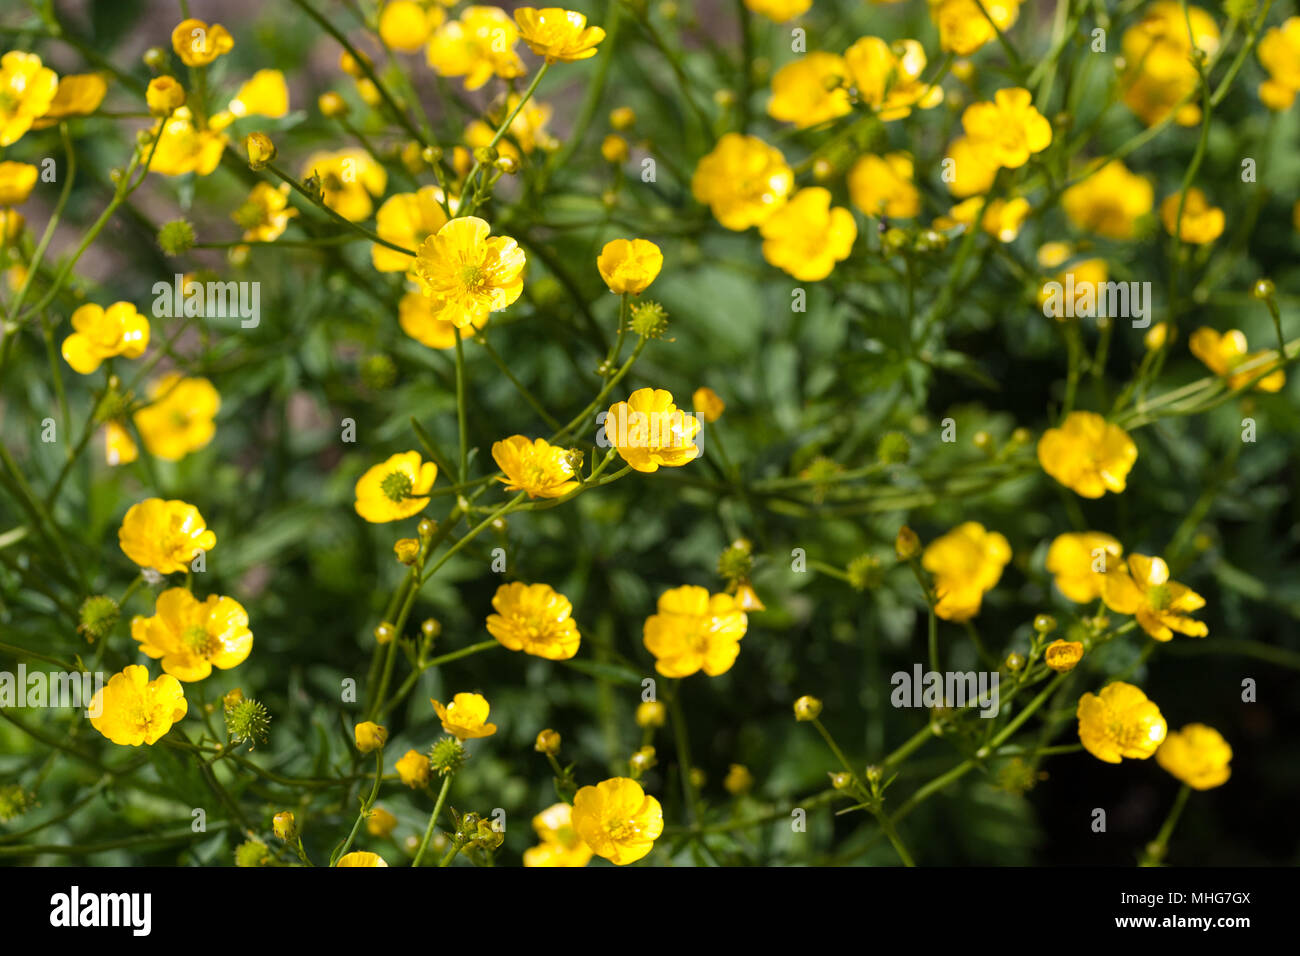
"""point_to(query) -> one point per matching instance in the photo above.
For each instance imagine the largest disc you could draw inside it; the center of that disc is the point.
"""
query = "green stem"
(433, 819)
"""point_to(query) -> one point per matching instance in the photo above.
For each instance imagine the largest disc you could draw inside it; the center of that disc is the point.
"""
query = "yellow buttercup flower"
(1079, 560)
(1087, 454)
(969, 169)
(964, 28)
(651, 713)
(414, 769)
(369, 736)
(164, 535)
(465, 718)
(693, 630)
(1141, 587)
(1279, 54)
(180, 417)
(779, 11)
(1223, 353)
(1201, 222)
(1197, 755)
(1158, 51)
(265, 93)
(966, 563)
(537, 467)
(360, 858)
(1063, 656)
(617, 820)
(105, 333)
(78, 94)
(198, 44)
(1109, 202)
(558, 34)
(466, 274)
(1008, 127)
(810, 90)
(614, 149)
(191, 636)
(560, 845)
(418, 319)
(738, 780)
(380, 823)
(16, 183)
(807, 236)
(266, 213)
(807, 708)
(184, 148)
(349, 179)
(708, 404)
(1002, 217)
(260, 150)
(629, 265)
(134, 710)
(535, 619)
(478, 46)
(395, 488)
(1157, 336)
(1086, 278)
(883, 186)
(1120, 722)
(742, 181)
(407, 219)
(650, 431)
(164, 95)
(887, 77)
(405, 25)
(119, 447)
(284, 825)
(1053, 254)
(27, 88)
(406, 550)
(527, 130)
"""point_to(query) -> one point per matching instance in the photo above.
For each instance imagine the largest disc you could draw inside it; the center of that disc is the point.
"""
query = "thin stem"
(433, 819)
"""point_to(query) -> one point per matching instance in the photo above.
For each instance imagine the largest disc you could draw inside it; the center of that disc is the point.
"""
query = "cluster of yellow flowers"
(1121, 723)
(187, 636)
(443, 251)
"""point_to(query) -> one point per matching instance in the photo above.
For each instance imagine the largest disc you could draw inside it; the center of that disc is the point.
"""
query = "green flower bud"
(378, 372)
(252, 853)
(248, 719)
(893, 449)
(865, 572)
(448, 755)
(176, 237)
(98, 615)
(649, 320)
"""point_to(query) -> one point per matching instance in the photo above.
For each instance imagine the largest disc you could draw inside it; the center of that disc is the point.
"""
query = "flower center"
(397, 486)
(198, 641)
(625, 831)
(473, 277)
(1158, 597)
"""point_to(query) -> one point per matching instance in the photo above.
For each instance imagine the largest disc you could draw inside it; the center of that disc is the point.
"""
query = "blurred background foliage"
(276, 483)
